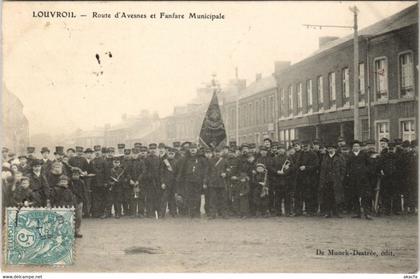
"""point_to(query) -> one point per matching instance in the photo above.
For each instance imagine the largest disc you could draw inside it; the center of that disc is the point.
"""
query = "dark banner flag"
(213, 131)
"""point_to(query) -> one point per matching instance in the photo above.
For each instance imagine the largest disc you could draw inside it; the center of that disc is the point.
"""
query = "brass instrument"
(285, 166)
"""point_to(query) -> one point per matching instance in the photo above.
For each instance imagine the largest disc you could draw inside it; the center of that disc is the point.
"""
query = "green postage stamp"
(39, 236)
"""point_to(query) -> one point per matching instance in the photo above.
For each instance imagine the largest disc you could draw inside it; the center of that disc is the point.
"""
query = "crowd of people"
(306, 178)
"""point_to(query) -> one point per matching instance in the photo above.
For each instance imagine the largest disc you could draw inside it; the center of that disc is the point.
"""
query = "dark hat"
(340, 138)
(305, 142)
(316, 142)
(356, 142)
(263, 148)
(121, 146)
(97, 148)
(76, 170)
(171, 150)
(111, 149)
(345, 148)
(127, 151)
(275, 143)
(161, 145)
(398, 141)
(143, 148)
(331, 145)
(252, 145)
(295, 141)
(63, 177)
(193, 145)
(413, 143)
(59, 150)
(225, 147)
(268, 140)
(79, 149)
(116, 158)
(152, 146)
(186, 144)
(135, 150)
(244, 145)
(22, 156)
(232, 143)
(391, 144)
(88, 150)
(36, 162)
(104, 149)
(370, 141)
(208, 149)
(281, 146)
(5, 149)
(406, 144)
(260, 165)
(30, 149)
(137, 145)
(384, 140)
(176, 144)
(71, 149)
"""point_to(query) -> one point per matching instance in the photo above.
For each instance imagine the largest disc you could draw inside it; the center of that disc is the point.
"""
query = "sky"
(156, 64)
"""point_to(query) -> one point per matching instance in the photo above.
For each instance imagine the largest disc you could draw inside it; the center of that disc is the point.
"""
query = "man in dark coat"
(357, 173)
(46, 162)
(152, 182)
(306, 187)
(127, 163)
(24, 166)
(333, 170)
(116, 187)
(215, 181)
(168, 170)
(136, 182)
(281, 167)
(39, 183)
(98, 185)
(233, 165)
(192, 174)
(386, 167)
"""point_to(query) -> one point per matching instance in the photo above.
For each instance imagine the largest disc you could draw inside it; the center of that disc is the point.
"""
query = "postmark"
(40, 236)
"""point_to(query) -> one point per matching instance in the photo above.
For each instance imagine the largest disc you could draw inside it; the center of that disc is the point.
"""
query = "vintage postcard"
(210, 137)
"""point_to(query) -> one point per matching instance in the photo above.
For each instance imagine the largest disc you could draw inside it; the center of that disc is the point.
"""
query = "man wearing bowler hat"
(357, 173)
(333, 170)
(46, 162)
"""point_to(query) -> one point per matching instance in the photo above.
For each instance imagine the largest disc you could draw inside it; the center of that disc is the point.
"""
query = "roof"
(404, 18)
(258, 86)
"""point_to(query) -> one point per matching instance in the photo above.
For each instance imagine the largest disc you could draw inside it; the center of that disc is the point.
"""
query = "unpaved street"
(253, 245)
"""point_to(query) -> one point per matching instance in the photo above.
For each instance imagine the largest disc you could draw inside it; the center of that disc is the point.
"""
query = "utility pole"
(354, 10)
(237, 106)
(356, 131)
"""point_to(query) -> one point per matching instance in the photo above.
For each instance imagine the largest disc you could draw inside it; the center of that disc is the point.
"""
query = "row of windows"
(407, 129)
(262, 111)
(256, 112)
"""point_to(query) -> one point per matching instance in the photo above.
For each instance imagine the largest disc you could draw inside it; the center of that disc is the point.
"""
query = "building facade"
(15, 132)
(314, 97)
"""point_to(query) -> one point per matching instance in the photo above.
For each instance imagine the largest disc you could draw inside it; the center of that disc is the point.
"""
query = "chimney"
(258, 76)
(322, 41)
(280, 66)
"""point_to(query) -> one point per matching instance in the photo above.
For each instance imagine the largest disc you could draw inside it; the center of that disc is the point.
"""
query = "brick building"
(313, 98)
(315, 95)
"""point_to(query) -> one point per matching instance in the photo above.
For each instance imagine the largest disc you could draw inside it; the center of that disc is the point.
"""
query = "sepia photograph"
(209, 137)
